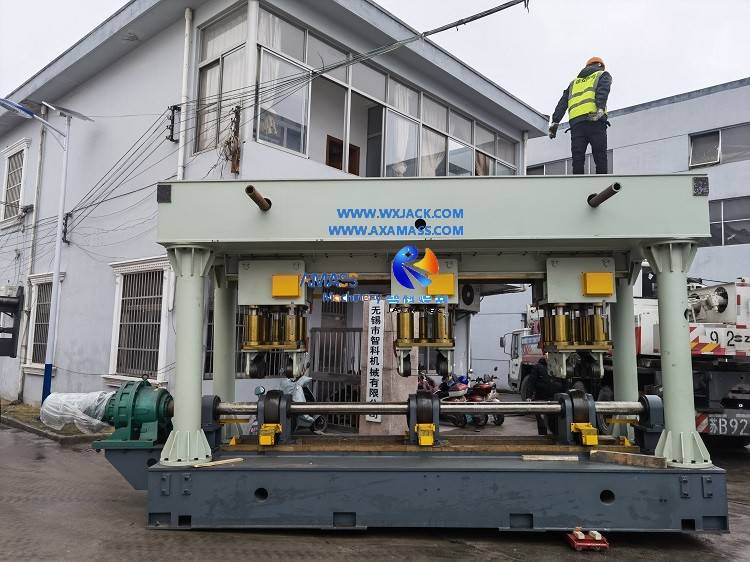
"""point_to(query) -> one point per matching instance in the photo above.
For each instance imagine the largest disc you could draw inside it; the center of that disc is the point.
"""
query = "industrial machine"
(262, 241)
(719, 344)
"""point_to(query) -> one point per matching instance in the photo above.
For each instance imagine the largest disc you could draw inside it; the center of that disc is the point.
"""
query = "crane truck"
(718, 328)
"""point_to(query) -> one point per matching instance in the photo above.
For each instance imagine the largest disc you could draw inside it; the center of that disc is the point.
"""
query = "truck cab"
(523, 348)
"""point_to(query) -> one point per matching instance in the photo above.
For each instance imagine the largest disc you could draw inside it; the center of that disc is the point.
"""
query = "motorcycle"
(484, 390)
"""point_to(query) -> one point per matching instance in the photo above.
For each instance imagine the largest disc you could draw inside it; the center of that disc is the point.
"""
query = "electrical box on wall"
(271, 282)
(11, 306)
(580, 280)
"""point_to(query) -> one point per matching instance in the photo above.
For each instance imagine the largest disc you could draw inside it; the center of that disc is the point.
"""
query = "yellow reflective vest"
(582, 95)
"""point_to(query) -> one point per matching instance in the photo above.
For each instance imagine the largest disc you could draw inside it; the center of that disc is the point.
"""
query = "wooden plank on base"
(628, 459)
(218, 463)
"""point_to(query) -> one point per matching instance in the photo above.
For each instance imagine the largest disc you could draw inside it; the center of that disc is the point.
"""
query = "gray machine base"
(357, 491)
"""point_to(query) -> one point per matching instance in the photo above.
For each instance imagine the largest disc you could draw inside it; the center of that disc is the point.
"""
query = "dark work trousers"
(584, 133)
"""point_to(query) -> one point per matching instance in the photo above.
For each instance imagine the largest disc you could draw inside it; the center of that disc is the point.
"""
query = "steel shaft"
(401, 408)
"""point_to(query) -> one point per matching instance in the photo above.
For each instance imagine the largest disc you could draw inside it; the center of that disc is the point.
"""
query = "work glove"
(596, 116)
(553, 130)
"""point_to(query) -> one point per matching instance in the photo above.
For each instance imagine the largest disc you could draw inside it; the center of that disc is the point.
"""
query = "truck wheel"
(528, 389)
(606, 394)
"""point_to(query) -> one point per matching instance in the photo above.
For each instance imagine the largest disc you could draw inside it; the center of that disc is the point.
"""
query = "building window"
(281, 36)
(403, 98)
(13, 177)
(221, 77)
(383, 115)
(565, 167)
(735, 144)
(704, 149)
(41, 295)
(434, 153)
(140, 318)
(322, 55)
(730, 222)
(283, 118)
(401, 146)
(730, 144)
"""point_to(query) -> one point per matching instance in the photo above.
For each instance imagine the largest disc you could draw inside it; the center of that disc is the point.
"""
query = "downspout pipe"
(184, 111)
(25, 355)
(524, 159)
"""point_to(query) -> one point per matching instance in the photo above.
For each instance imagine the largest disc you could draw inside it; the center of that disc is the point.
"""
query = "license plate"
(723, 424)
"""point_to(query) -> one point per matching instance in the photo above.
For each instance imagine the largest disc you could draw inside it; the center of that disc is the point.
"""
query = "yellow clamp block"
(267, 434)
(425, 434)
(589, 434)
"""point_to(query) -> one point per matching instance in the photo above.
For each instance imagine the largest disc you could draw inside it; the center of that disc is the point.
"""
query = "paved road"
(60, 503)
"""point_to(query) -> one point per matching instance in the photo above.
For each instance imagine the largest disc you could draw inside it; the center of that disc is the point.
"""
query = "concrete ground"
(68, 503)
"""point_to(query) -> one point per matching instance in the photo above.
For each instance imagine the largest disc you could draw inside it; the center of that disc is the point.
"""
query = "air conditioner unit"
(468, 297)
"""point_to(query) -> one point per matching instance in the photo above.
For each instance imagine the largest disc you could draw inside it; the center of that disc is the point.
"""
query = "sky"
(652, 48)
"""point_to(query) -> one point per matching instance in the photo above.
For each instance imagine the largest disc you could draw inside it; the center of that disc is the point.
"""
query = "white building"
(414, 111)
(706, 131)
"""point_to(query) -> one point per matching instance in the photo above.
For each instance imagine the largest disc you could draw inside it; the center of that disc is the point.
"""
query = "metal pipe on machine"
(596, 199)
(264, 204)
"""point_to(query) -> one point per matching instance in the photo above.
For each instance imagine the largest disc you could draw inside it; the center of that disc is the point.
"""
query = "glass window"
(401, 138)
(460, 159)
(735, 144)
(433, 153)
(555, 168)
(535, 170)
(224, 35)
(704, 149)
(736, 232)
(485, 140)
(737, 208)
(714, 211)
(14, 174)
(715, 239)
(460, 127)
(320, 54)
(208, 106)
(282, 121)
(221, 78)
(503, 170)
(403, 98)
(483, 165)
(373, 132)
(506, 150)
(369, 80)
(434, 114)
(281, 36)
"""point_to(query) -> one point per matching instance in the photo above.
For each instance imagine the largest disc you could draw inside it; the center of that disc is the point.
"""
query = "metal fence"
(335, 362)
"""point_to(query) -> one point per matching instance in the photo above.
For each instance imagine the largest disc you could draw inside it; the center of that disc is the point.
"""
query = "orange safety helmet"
(595, 60)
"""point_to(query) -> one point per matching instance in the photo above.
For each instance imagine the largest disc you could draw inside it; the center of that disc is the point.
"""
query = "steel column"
(225, 345)
(680, 443)
(187, 443)
(625, 368)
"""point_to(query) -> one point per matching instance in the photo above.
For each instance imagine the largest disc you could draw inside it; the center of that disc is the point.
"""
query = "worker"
(585, 100)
